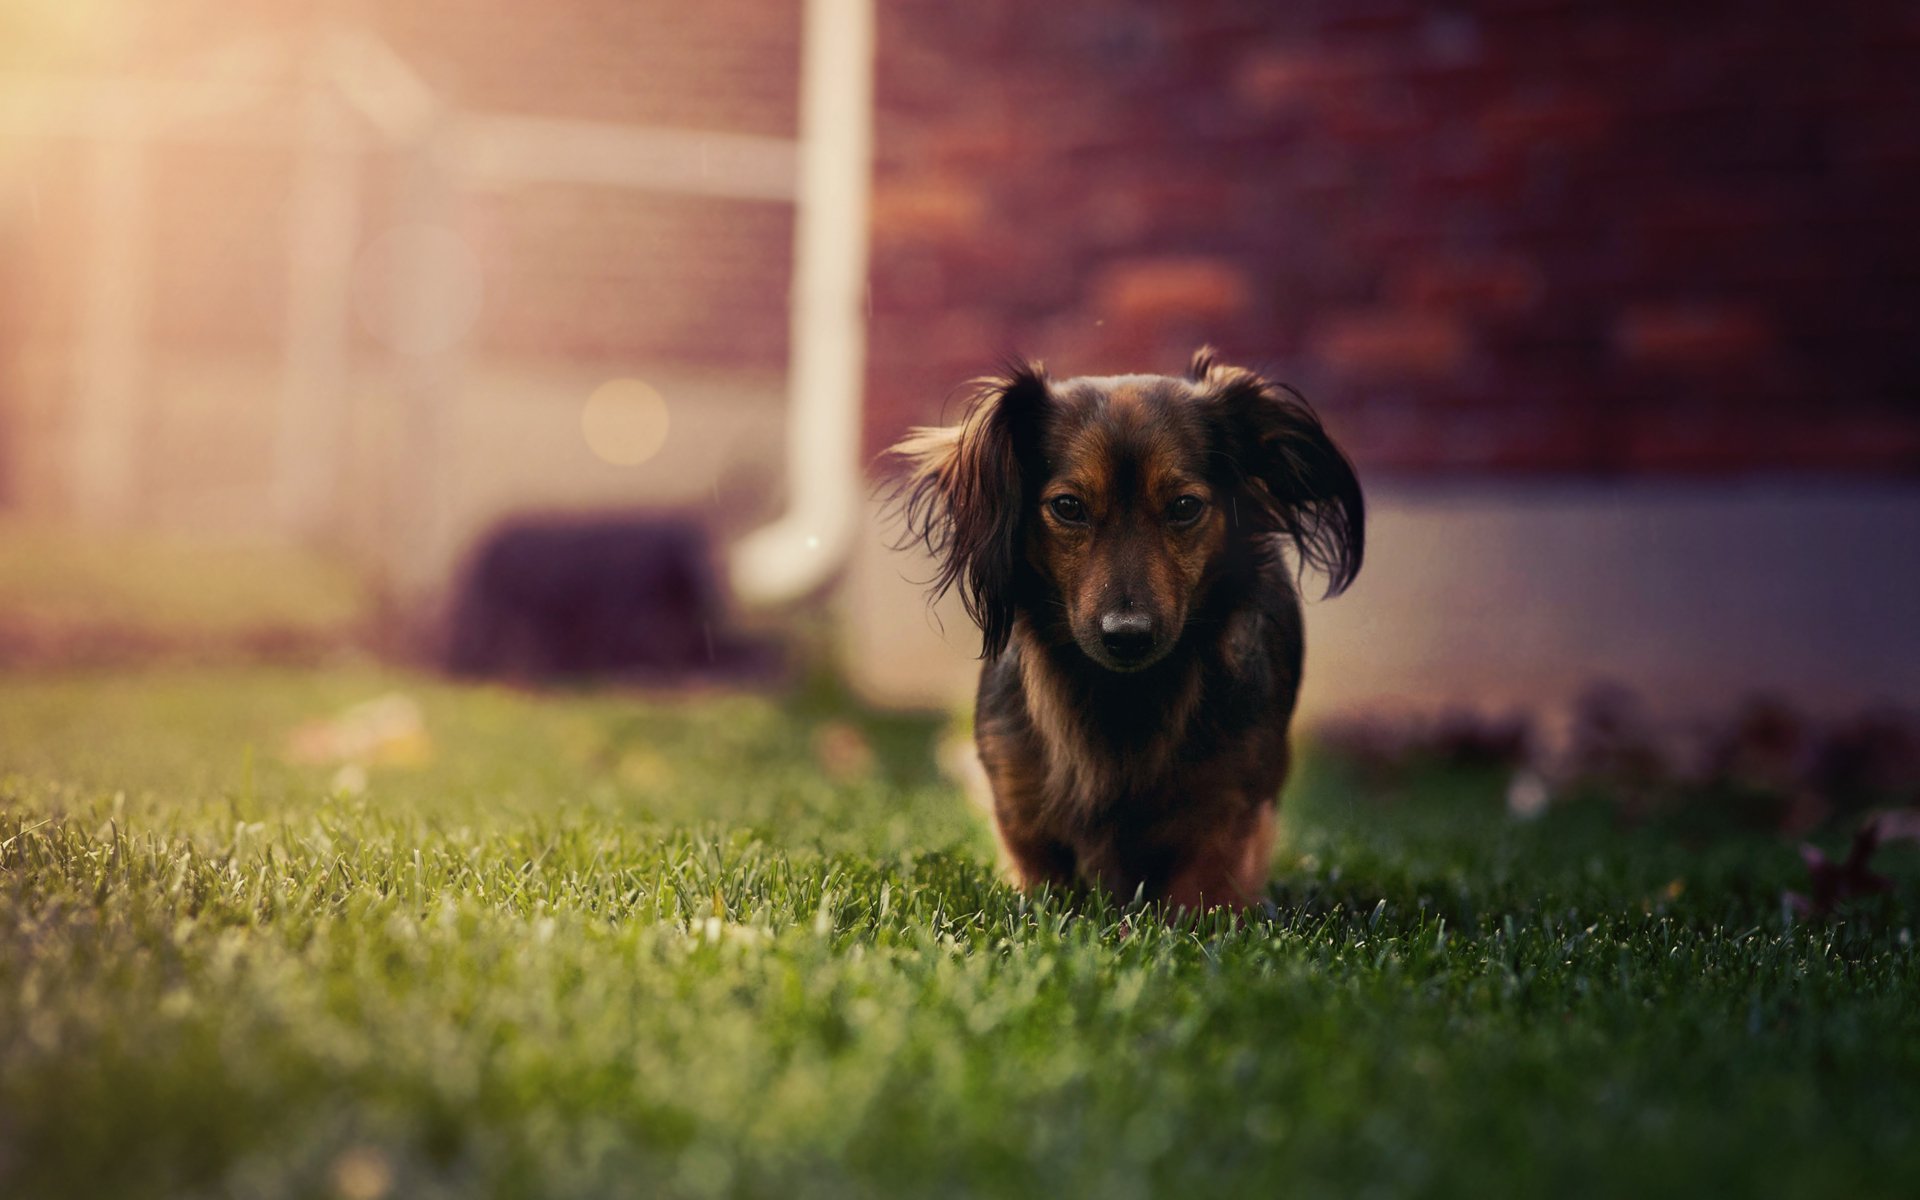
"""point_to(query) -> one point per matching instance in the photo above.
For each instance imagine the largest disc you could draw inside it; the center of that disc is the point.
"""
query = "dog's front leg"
(1031, 858)
(1230, 870)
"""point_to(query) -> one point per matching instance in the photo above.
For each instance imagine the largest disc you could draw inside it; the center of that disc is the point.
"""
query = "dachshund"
(1122, 543)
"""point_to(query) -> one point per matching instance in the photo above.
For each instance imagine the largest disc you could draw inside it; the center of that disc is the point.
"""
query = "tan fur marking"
(1076, 774)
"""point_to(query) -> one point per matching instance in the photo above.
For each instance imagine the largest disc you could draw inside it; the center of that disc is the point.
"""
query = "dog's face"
(1103, 509)
(1127, 522)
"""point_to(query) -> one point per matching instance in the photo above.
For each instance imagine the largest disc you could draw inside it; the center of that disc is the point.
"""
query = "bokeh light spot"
(625, 422)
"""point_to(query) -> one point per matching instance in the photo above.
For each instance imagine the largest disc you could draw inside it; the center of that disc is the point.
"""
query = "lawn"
(605, 945)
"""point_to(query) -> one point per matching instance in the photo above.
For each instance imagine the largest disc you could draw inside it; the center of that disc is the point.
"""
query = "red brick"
(1148, 206)
(1388, 344)
(1279, 79)
(1011, 271)
(1692, 337)
(987, 139)
(1501, 284)
(1148, 289)
(1560, 120)
(924, 209)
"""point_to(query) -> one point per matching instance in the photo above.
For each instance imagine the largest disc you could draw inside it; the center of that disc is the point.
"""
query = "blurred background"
(560, 340)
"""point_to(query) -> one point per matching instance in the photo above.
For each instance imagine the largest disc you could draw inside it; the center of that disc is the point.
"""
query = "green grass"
(603, 946)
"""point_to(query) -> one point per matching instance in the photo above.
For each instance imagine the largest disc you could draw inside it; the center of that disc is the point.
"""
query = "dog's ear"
(1301, 483)
(1202, 363)
(965, 496)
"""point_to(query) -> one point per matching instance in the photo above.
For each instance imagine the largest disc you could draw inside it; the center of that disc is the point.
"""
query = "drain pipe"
(802, 549)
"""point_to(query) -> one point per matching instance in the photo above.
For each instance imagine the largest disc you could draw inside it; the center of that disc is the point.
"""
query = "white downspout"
(827, 359)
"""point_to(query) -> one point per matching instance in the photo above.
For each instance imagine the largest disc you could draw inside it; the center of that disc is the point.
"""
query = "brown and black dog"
(1121, 542)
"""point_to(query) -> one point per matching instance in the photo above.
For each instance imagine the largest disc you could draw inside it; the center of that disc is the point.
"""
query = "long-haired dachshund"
(1121, 543)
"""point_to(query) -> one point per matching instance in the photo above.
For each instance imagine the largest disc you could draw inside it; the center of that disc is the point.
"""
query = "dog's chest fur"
(1084, 756)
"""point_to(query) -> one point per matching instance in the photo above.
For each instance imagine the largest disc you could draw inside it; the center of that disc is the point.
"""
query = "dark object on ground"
(1830, 883)
(1766, 748)
(1872, 759)
(1388, 752)
(571, 598)
(1613, 746)
(1470, 739)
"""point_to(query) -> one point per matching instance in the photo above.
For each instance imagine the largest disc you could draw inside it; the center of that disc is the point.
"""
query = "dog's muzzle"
(1127, 637)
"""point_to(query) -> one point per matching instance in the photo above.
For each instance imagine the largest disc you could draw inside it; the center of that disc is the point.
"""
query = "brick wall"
(1533, 235)
(1529, 235)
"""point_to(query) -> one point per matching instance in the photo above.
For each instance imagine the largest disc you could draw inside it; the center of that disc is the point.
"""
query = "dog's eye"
(1186, 510)
(1068, 508)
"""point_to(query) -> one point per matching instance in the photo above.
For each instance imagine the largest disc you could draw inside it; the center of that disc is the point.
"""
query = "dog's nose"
(1127, 635)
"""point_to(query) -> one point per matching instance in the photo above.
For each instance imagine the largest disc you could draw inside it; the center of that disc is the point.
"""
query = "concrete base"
(1693, 595)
